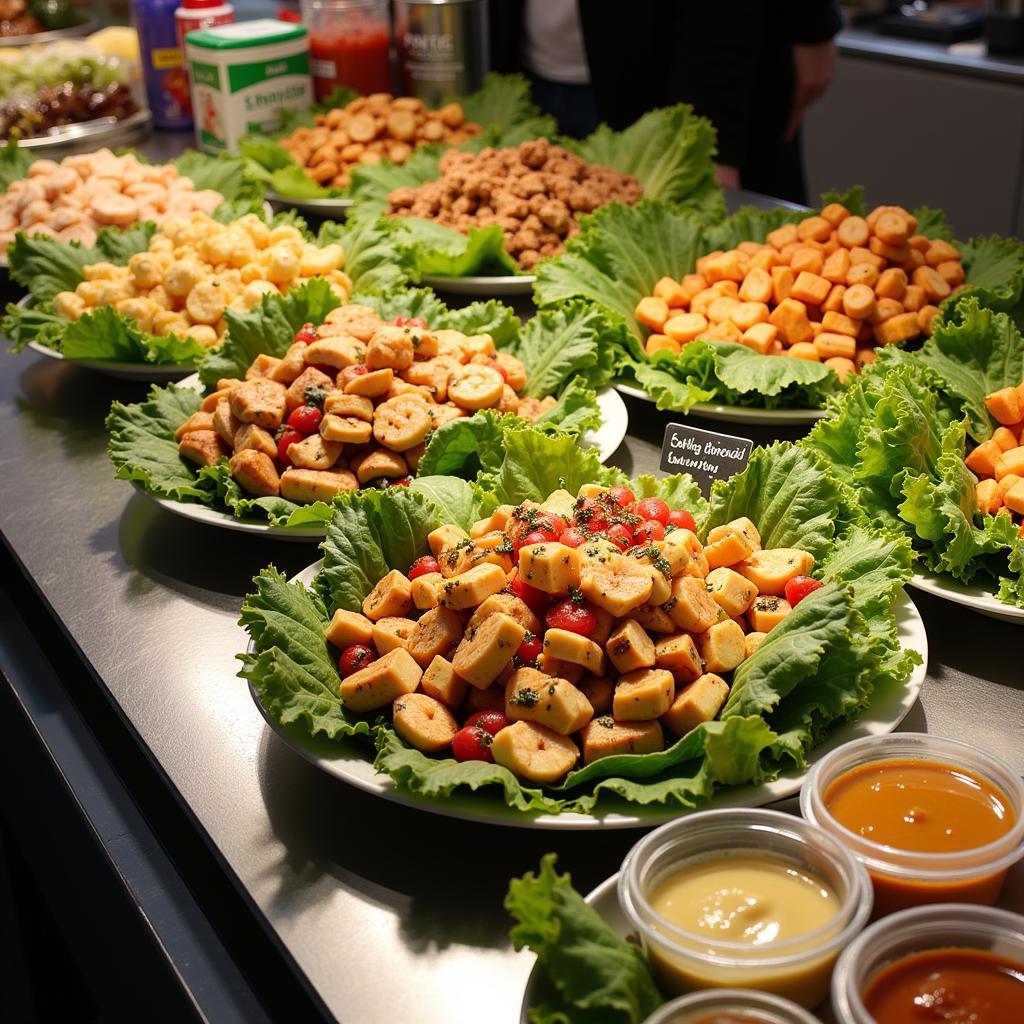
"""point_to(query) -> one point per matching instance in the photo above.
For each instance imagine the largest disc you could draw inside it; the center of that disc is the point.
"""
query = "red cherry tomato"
(799, 587)
(592, 516)
(576, 618)
(573, 537)
(490, 721)
(529, 650)
(536, 600)
(423, 565)
(410, 321)
(648, 531)
(682, 519)
(621, 535)
(355, 657)
(534, 537)
(306, 419)
(402, 481)
(549, 522)
(306, 334)
(653, 508)
(287, 438)
(622, 496)
(472, 743)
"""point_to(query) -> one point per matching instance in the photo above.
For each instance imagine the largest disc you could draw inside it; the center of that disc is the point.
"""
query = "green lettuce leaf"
(15, 161)
(468, 445)
(374, 260)
(444, 252)
(229, 176)
(594, 977)
(456, 500)
(502, 100)
(105, 334)
(24, 324)
(276, 168)
(276, 511)
(680, 491)
(575, 412)
(995, 273)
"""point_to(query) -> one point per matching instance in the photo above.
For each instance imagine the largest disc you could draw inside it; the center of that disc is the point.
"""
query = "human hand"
(814, 67)
(727, 175)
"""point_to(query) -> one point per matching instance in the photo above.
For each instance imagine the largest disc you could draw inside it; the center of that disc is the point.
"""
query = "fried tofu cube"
(571, 647)
(599, 690)
(677, 550)
(305, 486)
(372, 384)
(378, 464)
(1005, 406)
(767, 612)
(753, 641)
(694, 609)
(472, 587)
(197, 421)
(225, 422)
(259, 401)
(486, 649)
(534, 753)
(604, 737)
(442, 540)
(730, 590)
(310, 377)
(425, 590)
(643, 695)
(491, 547)
(697, 703)
(437, 632)
(811, 288)
(771, 569)
(726, 546)
(345, 429)
(555, 703)
(552, 666)
(654, 619)
(629, 647)
(288, 368)
(678, 654)
(723, 646)
(390, 347)
(356, 407)
(510, 605)
(203, 447)
(339, 351)
(248, 435)
(391, 596)
(550, 566)
(1010, 462)
(383, 680)
(255, 473)
(314, 452)
(262, 366)
(790, 317)
(347, 628)
(441, 682)
(392, 631)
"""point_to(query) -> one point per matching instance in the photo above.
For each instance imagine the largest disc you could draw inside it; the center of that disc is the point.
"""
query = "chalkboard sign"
(704, 454)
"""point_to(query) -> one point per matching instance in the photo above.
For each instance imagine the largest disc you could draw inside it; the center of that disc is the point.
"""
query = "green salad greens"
(820, 666)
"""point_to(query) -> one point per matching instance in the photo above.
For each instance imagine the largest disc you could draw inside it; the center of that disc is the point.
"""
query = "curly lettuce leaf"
(444, 252)
(995, 273)
(374, 261)
(371, 184)
(594, 976)
(456, 500)
(468, 446)
(748, 223)
(277, 169)
(22, 325)
(229, 176)
(575, 412)
(276, 511)
(103, 334)
(501, 100)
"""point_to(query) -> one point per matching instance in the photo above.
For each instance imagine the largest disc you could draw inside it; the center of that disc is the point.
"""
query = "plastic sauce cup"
(798, 968)
(757, 1007)
(940, 926)
(906, 878)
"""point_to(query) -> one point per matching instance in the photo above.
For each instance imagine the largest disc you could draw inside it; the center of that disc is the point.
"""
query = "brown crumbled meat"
(532, 191)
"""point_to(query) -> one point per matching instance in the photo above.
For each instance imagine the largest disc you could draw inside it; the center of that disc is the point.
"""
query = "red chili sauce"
(356, 56)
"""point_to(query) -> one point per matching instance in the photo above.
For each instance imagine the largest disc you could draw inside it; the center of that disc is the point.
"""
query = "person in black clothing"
(752, 67)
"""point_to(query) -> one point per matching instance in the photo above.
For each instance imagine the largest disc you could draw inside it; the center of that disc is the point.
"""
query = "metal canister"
(442, 47)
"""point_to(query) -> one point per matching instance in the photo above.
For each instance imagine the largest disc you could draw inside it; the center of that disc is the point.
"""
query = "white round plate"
(614, 423)
(313, 207)
(83, 28)
(738, 413)
(104, 131)
(349, 760)
(154, 372)
(963, 593)
(490, 287)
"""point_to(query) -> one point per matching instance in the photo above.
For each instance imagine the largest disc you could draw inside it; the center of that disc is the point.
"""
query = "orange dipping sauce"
(922, 807)
(951, 986)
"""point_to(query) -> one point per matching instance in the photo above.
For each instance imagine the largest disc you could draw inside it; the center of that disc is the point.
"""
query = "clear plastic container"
(904, 878)
(941, 926)
(349, 45)
(758, 1007)
(798, 968)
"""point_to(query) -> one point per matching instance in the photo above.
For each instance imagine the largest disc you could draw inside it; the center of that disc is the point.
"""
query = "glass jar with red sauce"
(732, 1006)
(947, 962)
(933, 820)
(349, 45)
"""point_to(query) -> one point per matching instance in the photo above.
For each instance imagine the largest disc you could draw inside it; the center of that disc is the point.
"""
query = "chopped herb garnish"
(524, 698)
(315, 395)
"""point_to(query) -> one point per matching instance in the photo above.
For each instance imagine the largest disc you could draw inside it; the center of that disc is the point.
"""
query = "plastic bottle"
(163, 64)
(196, 14)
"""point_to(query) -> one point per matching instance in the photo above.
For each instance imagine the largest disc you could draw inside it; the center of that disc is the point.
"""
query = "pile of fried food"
(369, 129)
(532, 191)
(350, 404)
(195, 269)
(828, 289)
(999, 462)
(72, 200)
(594, 621)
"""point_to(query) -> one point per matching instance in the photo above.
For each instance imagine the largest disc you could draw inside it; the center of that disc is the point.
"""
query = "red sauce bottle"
(350, 45)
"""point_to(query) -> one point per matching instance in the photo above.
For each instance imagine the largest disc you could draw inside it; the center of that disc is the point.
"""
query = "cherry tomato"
(622, 496)
(423, 565)
(287, 438)
(653, 508)
(682, 519)
(351, 372)
(591, 515)
(799, 587)
(529, 649)
(410, 321)
(621, 535)
(306, 419)
(536, 600)
(490, 721)
(402, 481)
(573, 537)
(306, 334)
(355, 657)
(555, 525)
(534, 537)
(472, 743)
(568, 615)
(648, 531)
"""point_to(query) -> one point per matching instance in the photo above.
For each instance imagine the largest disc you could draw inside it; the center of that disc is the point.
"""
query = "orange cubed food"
(691, 284)
(761, 337)
(859, 302)
(835, 214)
(807, 259)
(817, 229)
(982, 461)
(1005, 438)
(652, 312)
(892, 283)
(952, 272)
(841, 367)
(756, 286)
(884, 309)
(937, 251)
(990, 501)
(834, 301)
(892, 228)
(913, 298)
(746, 314)
(1014, 497)
(720, 309)
(782, 236)
(1004, 405)
(1008, 481)
(852, 232)
(724, 331)
(702, 261)
(862, 273)
(790, 317)
(811, 288)
(725, 267)
(669, 289)
(685, 327)
(936, 287)
(837, 266)
(804, 350)
(827, 345)
(901, 327)
(782, 283)
(864, 357)
(661, 343)
(838, 323)
(1009, 462)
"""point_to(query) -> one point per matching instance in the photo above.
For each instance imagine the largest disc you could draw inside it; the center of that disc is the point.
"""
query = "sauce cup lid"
(927, 868)
(765, 1006)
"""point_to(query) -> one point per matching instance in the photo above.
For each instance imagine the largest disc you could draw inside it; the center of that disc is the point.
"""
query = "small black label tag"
(704, 454)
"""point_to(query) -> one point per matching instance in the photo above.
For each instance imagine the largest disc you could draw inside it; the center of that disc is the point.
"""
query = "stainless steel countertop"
(390, 914)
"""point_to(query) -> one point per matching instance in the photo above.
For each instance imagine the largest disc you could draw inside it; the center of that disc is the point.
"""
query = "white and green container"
(243, 76)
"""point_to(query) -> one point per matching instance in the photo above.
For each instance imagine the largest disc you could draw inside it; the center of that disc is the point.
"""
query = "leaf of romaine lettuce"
(596, 977)
(457, 501)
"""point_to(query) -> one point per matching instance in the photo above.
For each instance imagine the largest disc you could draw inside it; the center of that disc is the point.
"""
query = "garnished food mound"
(596, 622)
(72, 200)
(532, 191)
(368, 130)
(351, 403)
(999, 461)
(195, 269)
(828, 289)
